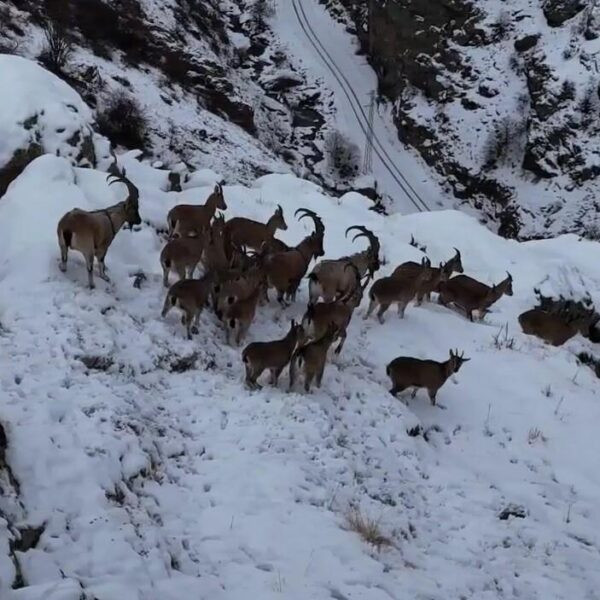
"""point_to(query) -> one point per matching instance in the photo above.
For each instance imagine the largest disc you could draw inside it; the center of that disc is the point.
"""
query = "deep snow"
(161, 485)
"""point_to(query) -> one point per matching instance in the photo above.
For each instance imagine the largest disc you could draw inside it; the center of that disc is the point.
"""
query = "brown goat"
(214, 257)
(285, 270)
(400, 289)
(556, 328)
(92, 232)
(240, 231)
(406, 372)
(435, 277)
(189, 220)
(275, 355)
(182, 256)
(330, 278)
(311, 358)
(319, 316)
(239, 316)
(191, 296)
(470, 295)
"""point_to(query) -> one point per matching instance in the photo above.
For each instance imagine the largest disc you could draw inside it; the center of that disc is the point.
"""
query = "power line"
(368, 154)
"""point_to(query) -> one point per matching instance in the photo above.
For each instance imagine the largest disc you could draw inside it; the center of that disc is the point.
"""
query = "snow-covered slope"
(158, 481)
(499, 96)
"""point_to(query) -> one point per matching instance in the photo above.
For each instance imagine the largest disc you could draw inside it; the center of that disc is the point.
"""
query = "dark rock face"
(559, 11)
(526, 43)
(17, 164)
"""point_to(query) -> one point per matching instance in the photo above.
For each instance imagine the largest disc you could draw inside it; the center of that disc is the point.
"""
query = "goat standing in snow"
(92, 232)
(406, 372)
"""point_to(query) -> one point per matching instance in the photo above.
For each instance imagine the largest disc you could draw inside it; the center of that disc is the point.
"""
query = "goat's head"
(218, 198)
(455, 263)
(457, 360)
(374, 246)
(319, 233)
(131, 205)
(279, 219)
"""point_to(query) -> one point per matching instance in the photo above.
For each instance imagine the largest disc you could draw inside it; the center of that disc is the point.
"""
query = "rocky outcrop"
(559, 11)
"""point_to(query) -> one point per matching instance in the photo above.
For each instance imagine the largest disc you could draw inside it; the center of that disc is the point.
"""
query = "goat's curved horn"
(305, 212)
(457, 251)
(134, 193)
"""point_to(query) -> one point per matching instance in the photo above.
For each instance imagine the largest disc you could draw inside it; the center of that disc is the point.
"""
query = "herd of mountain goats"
(242, 260)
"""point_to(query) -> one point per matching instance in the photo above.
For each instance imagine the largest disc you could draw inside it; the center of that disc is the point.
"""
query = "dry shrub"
(368, 529)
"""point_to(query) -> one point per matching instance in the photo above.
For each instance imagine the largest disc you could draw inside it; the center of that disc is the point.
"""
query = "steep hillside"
(197, 84)
(135, 464)
(501, 98)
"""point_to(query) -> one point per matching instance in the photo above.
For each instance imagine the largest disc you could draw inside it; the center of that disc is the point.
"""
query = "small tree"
(343, 155)
(123, 121)
(57, 48)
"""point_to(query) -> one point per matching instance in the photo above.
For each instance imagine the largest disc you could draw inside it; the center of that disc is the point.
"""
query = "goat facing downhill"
(330, 278)
(189, 220)
(312, 358)
(240, 231)
(471, 295)
(406, 372)
(274, 356)
(92, 232)
(239, 316)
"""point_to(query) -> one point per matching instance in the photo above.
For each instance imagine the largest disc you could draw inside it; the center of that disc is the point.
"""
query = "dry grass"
(368, 529)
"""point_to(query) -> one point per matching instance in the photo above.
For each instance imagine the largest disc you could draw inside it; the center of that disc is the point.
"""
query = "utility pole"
(368, 154)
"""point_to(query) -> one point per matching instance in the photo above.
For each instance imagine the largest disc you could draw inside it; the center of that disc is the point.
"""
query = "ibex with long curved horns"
(92, 232)
(285, 270)
(330, 278)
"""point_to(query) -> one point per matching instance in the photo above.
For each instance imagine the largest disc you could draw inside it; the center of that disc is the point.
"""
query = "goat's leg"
(397, 389)
(189, 318)
(165, 276)
(64, 251)
(342, 337)
(308, 377)
(372, 306)
(102, 267)
(382, 308)
(401, 309)
(196, 324)
(319, 378)
(89, 264)
(275, 373)
(432, 395)
(251, 377)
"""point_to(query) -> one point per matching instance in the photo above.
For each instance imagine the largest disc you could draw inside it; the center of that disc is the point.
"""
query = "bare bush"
(368, 529)
(343, 156)
(123, 121)
(57, 48)
(506, 142)
(262, 10)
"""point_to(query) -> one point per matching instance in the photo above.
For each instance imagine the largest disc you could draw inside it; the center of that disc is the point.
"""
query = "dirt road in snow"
(329, 52)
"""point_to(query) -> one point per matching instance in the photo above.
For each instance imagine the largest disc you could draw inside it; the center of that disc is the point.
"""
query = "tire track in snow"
(357, 109)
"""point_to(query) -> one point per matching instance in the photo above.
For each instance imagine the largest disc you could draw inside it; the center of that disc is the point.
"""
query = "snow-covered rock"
(39, 113)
